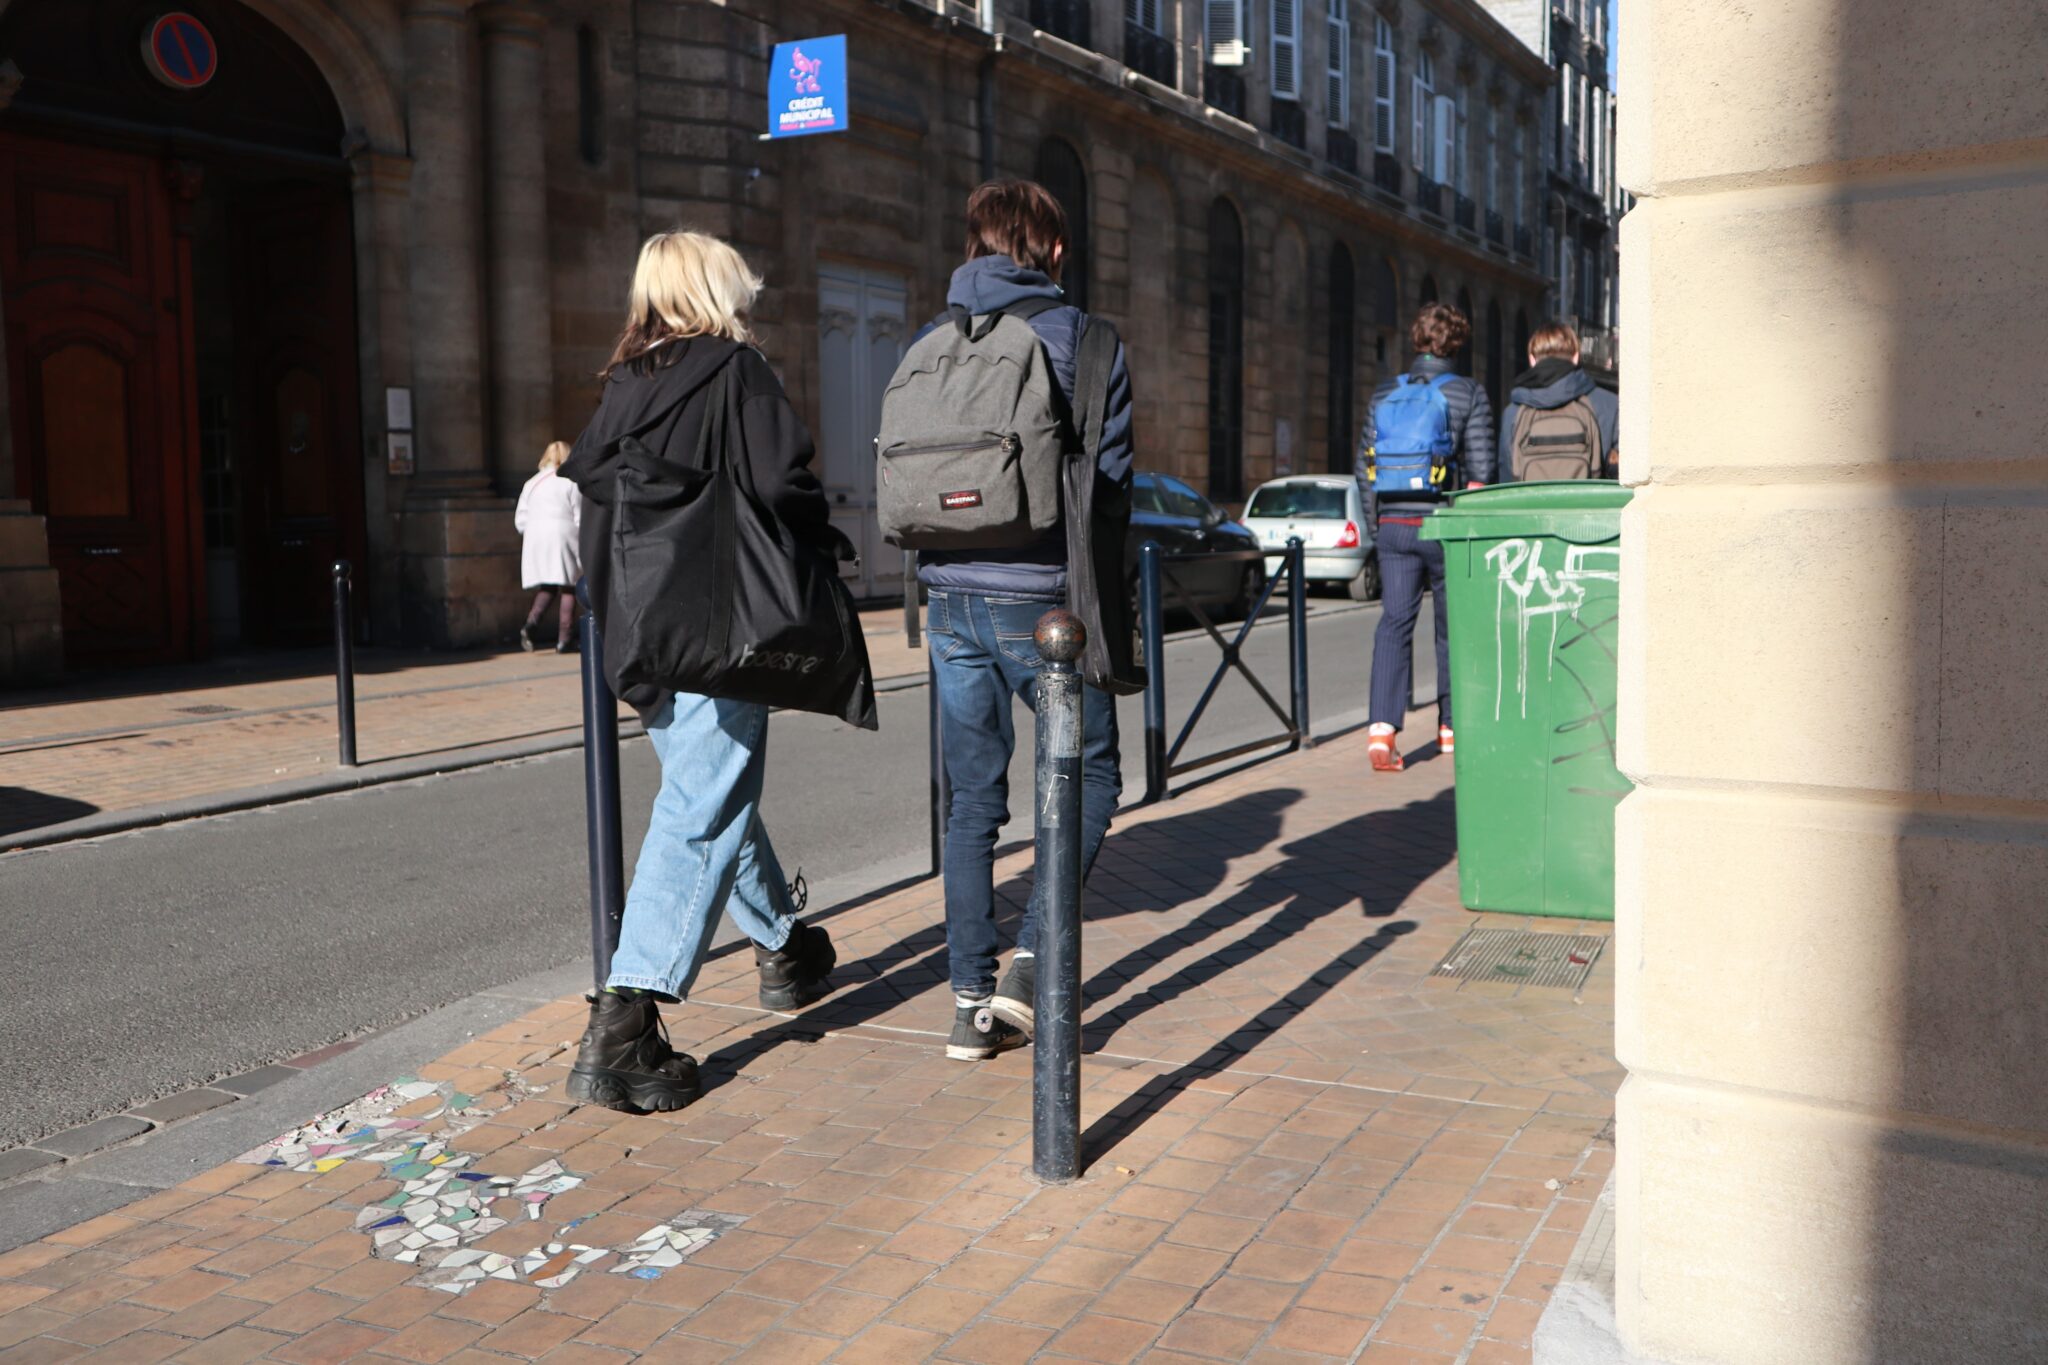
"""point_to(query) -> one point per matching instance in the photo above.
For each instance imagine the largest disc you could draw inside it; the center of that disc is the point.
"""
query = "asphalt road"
(146, 963)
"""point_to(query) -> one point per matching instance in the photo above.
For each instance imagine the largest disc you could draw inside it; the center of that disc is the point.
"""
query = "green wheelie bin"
(1533, 575)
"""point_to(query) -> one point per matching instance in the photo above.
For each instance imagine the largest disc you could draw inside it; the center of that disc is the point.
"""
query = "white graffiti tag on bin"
(1540, 592)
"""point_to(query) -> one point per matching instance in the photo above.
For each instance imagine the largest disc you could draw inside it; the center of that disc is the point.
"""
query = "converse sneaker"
(1013, 999)
(978, 1035)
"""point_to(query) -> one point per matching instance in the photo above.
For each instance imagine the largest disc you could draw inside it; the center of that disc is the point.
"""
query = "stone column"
(460, 584)
(516, 200)
(1830, 945)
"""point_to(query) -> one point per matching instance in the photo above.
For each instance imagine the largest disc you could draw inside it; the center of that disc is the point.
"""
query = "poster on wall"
(807, 87)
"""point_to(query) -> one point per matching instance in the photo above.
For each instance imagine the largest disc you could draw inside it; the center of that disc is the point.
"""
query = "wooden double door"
(96, 282)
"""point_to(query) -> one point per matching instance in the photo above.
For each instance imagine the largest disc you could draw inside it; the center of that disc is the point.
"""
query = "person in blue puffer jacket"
(984, 606)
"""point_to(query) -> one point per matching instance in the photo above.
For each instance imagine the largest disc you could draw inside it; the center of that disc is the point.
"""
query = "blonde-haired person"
(706, 849)
(549, 516)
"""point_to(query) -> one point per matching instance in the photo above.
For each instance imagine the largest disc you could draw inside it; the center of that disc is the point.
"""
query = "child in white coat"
(549, 516)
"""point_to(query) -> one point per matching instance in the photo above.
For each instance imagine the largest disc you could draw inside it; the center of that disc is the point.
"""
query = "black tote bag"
(711, 593)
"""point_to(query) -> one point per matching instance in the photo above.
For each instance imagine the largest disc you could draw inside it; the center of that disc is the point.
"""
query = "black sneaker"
(1013, 1000)
(978, 1035)
(625, 1062)
(798, 972)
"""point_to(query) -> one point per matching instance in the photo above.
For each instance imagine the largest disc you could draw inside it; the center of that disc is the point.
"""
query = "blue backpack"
(1412, 437)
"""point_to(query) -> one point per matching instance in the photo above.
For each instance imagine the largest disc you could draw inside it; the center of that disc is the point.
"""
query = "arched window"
(1464, 360)
(1226, 352)
(1496, 372)
(1343, 358)
(1428, 289)
(1060, 171)
(1386, 307)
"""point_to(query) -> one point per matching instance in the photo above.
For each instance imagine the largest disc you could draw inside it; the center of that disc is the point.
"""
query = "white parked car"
(1325, 510)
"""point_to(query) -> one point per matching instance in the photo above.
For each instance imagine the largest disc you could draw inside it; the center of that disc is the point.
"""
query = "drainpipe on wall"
(985, 93)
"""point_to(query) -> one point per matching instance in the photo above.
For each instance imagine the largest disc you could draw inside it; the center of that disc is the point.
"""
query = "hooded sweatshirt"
(1551, 383)
(662, 399)
(1037, 571)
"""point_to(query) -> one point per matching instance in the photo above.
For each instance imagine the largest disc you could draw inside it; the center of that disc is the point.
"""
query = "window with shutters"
(1144, 14)
(1461, 151)
(1383, 70)
(1338, 62)
(1223, 32)
(1492, 157)
(1421, 134)
(1444, 131)
(1518, 169)
(1579, 133)
(1286, 16)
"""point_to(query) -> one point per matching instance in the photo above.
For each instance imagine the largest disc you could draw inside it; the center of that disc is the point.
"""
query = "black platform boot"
(625, 1062)
(795, 974)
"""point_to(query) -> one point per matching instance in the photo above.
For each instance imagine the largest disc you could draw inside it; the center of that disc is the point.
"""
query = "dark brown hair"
(1439, 330)
(1553, 339)
(1016, 218)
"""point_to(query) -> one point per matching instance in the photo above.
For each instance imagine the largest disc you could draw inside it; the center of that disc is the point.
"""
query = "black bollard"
(344, 664)
(1297, 638)
(1152, 631)
(1056, 1042)
(601, 796)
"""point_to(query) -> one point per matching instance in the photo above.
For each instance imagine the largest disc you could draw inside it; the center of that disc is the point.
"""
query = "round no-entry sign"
(179, 51)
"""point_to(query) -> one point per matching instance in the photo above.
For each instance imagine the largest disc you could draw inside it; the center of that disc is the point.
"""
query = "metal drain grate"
(1522, 957)
(205, 709)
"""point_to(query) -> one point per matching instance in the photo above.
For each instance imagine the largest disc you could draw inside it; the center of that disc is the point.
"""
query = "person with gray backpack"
(1004, 460)
(1558, 424)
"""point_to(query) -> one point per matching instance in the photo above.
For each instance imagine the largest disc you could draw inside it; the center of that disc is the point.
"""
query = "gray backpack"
(975, 432)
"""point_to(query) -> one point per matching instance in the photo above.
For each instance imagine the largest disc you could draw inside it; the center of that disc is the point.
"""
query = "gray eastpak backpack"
(974, 435)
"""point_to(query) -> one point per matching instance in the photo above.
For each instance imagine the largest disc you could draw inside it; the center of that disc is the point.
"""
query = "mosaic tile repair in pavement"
(442, 1208)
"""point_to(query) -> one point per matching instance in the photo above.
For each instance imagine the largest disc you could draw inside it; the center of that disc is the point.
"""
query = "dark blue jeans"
(1407, 562)
(983, 656)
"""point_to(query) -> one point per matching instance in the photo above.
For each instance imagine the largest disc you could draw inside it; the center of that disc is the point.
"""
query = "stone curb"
(327, 784)
(403, 770)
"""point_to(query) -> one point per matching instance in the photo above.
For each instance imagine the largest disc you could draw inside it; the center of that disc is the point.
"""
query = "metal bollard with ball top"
(1056, 1044)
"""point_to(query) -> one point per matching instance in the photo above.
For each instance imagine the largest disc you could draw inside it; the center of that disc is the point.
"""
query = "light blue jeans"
(706, 849)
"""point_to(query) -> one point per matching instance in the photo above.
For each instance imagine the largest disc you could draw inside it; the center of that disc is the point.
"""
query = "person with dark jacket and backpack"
(1427, 432)
(706, 851)
(986, 598)
(1558, 423)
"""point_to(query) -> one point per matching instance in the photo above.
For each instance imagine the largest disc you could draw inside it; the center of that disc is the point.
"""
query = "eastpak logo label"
(956, 502)
(782, 660)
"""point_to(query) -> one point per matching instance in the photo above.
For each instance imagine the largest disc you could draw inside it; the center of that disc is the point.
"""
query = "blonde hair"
(687, 284)
(552, 457)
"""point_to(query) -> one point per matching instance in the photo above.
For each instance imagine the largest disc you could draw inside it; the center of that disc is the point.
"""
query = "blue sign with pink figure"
(807, 87)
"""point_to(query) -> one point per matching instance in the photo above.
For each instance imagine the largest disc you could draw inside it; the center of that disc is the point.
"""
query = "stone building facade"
(373, 266)
(1582, 199)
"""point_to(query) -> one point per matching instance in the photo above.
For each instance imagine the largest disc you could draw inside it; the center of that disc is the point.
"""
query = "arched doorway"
(1464, 359)
(1428, 290)
(1496, 373)
(1060, 170)
(188, 420)
(1386, 310)
(1521, 353)
(1226, 352)
(1341, 421)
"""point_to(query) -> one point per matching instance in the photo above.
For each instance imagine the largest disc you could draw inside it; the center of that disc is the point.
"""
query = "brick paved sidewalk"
(1303, 1146)
(193, 733)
